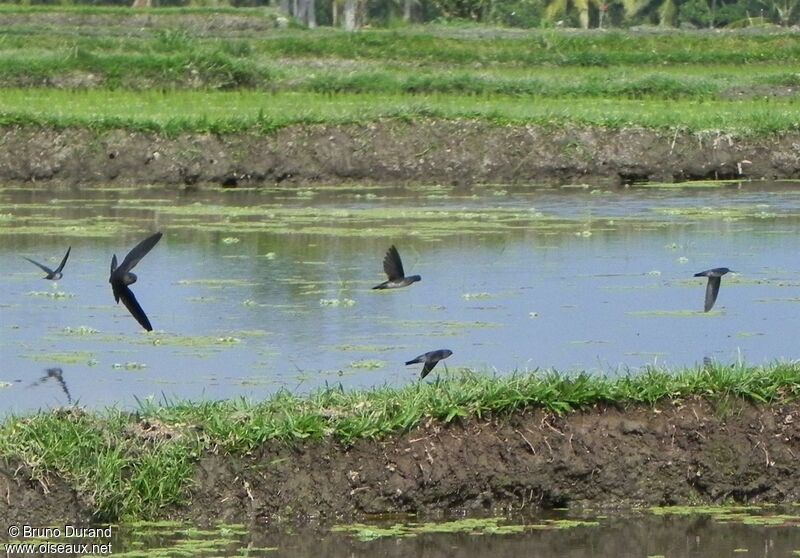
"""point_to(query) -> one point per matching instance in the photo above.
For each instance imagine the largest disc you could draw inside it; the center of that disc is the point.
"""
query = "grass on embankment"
(195, 51)
(427, 44)
(137, 465)
(173, 58)
(248, 111)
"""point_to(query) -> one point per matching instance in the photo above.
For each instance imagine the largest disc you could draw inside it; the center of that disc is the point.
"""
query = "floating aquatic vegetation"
(81, 330)
(474, 526)
(368, 364)
(228, 340)
(191, 340)
(74, 357)
(51, 294)
(129, 366)
(231, 240)
(734, 213)
(689, 184)
(476, 296)
(703, 510)
(747, 515)
(170, 538)
(346, 302)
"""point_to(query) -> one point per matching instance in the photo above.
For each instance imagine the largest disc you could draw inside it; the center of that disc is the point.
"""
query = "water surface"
(769, 532)
(251, 291)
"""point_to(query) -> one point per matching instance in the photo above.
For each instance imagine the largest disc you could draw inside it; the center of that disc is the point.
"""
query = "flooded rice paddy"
(252, 291)
(658, 532)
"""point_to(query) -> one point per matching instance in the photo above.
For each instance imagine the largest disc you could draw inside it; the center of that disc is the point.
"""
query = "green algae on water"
(368, 364)
(74, 357)
(472, 526)
(747, 515)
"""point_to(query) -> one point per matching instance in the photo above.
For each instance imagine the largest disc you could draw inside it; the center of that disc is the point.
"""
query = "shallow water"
(678, 533)
(253, 291)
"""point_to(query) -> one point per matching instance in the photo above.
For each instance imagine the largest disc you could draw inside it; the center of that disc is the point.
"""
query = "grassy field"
(108, 457)
(186, 71)
(228, 112)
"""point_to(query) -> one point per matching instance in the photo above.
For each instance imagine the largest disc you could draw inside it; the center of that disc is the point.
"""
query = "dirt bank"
(461, 152)
(675, 453)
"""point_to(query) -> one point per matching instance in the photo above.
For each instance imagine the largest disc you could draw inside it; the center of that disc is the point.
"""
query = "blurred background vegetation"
(510, 13)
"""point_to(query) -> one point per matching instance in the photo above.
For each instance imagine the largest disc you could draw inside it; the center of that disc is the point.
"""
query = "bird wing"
(429, 364)
(420, 358)
(138, 252)
(40, 266)
(712, 290)
(64, 261)
(115, 284)
(392, 265)
(130, 302)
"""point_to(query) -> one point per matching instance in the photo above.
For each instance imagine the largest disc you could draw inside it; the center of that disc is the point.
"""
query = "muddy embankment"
(686, 452)
(462, 152)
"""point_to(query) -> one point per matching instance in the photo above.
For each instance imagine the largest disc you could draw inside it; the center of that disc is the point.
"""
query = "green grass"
(88, 67)
(237, 111)
(377, 61)
(125, 11)
(137, 465)
(432, 44)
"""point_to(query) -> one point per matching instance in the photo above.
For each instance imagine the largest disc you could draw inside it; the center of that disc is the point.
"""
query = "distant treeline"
(511, 13)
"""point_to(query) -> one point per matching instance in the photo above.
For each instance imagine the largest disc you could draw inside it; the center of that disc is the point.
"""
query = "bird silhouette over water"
(58, 375)
(52, 274)
(712, 287)
(430, 359)
(121, 277)
(393, 267)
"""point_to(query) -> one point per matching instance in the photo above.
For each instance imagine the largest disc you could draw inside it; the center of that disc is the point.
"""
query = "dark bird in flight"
(393, 267)
(58, 375)
(52, 274)
(712, 288)
(430, 359)
(121, 277)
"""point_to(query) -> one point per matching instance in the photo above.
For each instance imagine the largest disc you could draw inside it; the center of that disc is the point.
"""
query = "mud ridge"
(448, 152)
(687, 452)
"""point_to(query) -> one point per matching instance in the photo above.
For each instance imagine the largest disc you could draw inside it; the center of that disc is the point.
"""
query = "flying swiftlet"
(52, 274)
(430, 359)
(121, 277)
(712, 287)
(393, 267)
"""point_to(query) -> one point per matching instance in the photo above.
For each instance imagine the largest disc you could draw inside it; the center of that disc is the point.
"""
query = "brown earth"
(460, 152)
(677, 452)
